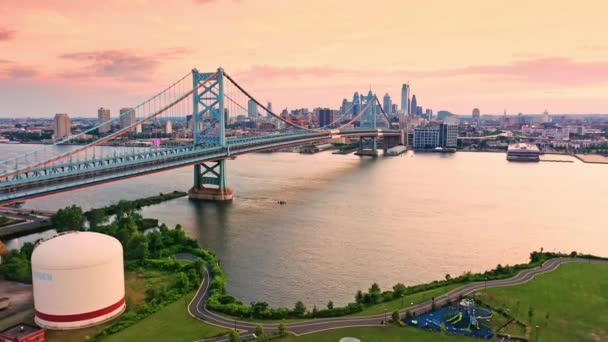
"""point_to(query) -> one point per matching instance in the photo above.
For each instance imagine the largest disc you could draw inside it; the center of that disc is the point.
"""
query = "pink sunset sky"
(526, 56)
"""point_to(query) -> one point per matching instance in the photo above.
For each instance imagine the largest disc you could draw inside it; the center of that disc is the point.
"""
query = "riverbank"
(592, 158)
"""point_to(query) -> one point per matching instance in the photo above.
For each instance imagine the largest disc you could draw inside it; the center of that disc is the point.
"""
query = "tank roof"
(75, 250)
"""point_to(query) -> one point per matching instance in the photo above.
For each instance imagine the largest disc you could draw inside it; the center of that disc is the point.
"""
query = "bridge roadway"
(55, 178)
(198, 309)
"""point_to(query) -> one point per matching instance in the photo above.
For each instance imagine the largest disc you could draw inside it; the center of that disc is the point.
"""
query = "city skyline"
(471, 54)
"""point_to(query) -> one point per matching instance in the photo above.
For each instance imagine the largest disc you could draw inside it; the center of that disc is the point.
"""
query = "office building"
(435, 135)
(387, 104)
(252, 109)
(326, 117)
(127, 117)
(62, 127)
(103, 115)
(414, 105)
(405, 99)
(269, 106)
(168, 127)
(476, 114)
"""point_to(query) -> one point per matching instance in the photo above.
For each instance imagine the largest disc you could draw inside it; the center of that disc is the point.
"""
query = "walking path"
(198, 308)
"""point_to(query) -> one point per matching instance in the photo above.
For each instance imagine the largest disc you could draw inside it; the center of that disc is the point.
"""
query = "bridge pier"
(368, 149)
(210, 183)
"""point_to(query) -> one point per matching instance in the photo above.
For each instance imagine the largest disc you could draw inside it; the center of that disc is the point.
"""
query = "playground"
(464, 318)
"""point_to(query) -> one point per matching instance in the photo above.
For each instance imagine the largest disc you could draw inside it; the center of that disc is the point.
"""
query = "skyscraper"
(62, 127)
(387, 104)
(127, 118)
(252, 109)
(414, 106)
(405, 99)
(103, 115)
(325, 117)
(356, 103)
(269, 106)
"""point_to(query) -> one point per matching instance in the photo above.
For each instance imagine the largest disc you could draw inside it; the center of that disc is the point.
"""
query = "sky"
(523, 56)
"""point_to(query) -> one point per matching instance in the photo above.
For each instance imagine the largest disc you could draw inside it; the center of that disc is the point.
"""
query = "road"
(197, 307)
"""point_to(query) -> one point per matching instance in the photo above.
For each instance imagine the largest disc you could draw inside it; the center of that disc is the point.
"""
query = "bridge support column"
(210, 183)
(368, 146)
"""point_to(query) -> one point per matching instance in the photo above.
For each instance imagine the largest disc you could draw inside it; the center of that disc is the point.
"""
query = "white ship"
(523, 152)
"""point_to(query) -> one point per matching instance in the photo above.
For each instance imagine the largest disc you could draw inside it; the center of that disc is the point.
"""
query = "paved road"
(197, 307)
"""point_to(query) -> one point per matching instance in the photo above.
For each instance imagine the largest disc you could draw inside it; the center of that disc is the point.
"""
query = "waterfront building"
(523, 152)
(127, 117)
(62, 127)
(252, 109)
(103, 115)
(435, 135)
(405, 98)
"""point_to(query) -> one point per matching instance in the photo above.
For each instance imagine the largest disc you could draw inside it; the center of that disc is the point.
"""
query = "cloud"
(559, 71)
(6, 34)
(10, 70)
(551, 70)
(119, 64)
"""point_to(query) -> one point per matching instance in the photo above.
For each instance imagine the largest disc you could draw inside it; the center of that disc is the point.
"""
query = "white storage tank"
(78, 280)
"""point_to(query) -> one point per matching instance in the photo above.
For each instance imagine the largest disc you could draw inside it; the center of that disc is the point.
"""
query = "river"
(352, 221)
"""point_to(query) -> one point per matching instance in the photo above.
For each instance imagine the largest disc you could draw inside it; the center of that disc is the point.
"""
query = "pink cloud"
(11, 70)
(119, 64)
(6, 34)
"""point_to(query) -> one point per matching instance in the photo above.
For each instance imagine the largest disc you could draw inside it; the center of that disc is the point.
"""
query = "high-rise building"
(252, 109)
(62, 127)
(448, 136)
(103, 115)
(394, 108)
(387, 104)
(476, 114)
(435, 135)
(405, 99)
(414, 106)
(168, 127)
(326, 117)
(269, 106)
(545, 117)
(127, 118)
(429, 114)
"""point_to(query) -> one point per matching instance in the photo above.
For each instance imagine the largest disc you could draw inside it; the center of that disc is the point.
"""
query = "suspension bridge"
(216, 115)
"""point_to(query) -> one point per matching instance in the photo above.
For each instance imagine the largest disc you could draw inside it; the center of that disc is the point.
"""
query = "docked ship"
(523, 152)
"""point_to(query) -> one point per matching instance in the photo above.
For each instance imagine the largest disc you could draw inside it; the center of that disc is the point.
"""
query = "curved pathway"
(198, 308)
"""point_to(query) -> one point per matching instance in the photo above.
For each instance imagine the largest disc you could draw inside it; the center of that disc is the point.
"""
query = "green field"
(568, 304)
(172, 323)
(376, 334)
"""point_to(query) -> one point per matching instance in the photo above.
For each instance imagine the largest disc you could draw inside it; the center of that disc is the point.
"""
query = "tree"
(299, 309)
(96, 218)
(282, 329)
(315, 311)
(68, 218)
(257, 308)
(395, 316)
(235, 336)
(448, 277)
(259, 330)
(374, 293)
(137, 248)
(330, 305)
(359, 297)
(399, 290)
(182, 281)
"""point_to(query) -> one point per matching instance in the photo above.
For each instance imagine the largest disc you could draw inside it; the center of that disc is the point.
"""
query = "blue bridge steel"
(206, 106)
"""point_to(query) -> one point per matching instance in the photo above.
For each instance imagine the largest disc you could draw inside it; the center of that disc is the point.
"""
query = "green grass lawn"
(376, 334)
(171, 323)
(569, 304)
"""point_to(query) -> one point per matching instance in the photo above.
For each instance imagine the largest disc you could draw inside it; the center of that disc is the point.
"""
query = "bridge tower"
(209, 130)
(368, 146)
